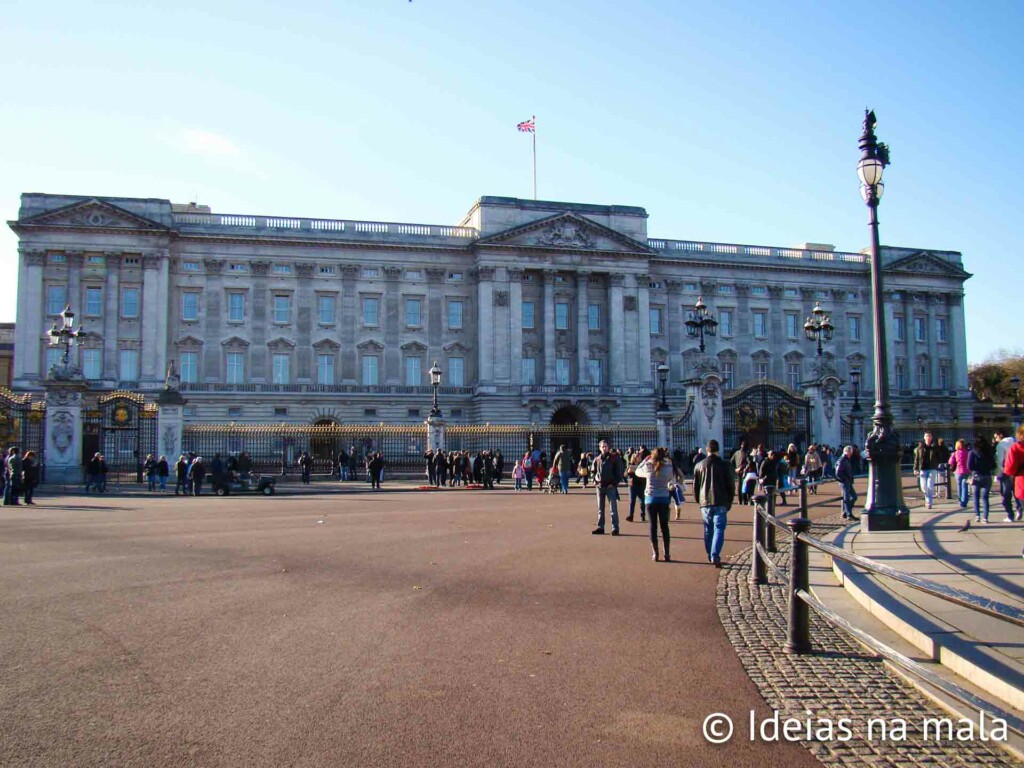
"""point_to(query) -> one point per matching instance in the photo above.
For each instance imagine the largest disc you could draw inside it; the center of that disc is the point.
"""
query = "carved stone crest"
(304, 270)
(169, 440)
(260, 267)
(62, 433)
(501, 298)
(828, 398)
(214, 266)
(392, 274)
(629, 303)
(435, 275)
(35, 258)
(709, 399)
(567, 234)
(350, 271)
(485, 273)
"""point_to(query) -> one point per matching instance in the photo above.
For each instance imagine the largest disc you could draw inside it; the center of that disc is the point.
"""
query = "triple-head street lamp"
(819, 327)
(701, 322)
(855, 380)
(66, 334)
(435, 382)
(885, 509)
(663, 378)
(1015, 384)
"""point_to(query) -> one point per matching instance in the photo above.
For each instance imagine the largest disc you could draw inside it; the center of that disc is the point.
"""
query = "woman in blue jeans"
(980, 463)
(657, 471)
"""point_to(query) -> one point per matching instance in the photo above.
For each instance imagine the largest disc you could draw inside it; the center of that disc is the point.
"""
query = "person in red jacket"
(1014, 464)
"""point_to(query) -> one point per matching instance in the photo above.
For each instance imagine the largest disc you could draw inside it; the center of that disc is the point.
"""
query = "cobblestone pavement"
(839, 680)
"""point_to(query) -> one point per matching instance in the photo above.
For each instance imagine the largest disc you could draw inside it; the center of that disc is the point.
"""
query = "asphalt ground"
(451, 628)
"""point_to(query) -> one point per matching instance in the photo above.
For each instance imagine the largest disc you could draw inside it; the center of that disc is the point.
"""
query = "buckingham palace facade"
(529, 308)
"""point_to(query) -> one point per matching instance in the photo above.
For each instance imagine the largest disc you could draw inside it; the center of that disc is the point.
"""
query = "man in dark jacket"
(844, 475)
(926, 465)
(714, 485)
(608, 471)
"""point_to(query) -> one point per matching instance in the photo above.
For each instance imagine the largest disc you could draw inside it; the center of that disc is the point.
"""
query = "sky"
(730, 122)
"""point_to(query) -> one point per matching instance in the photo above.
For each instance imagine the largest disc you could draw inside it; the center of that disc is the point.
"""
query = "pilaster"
(616, 328)
(643, 342)
(549, 327)
(582, 327)
(64, 430)
(485, 325)
(515, 324)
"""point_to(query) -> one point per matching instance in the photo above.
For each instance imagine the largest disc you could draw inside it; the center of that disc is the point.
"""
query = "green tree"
(990, 380)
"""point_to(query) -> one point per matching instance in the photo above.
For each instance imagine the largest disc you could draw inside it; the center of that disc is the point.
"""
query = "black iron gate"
(22, 425)
(684, 432)
(769, 414)
(122, 428)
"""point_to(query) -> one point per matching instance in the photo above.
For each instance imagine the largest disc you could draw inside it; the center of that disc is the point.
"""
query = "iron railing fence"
(797, 582)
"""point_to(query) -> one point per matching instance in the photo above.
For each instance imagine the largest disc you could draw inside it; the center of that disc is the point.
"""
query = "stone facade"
(527, 306)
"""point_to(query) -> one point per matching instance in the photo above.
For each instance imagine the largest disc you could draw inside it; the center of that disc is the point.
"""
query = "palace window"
(900, 327)
(236, 368)
(792, 293)
(234, 411)
(594, 317)
(529, 370)
(325, 309)
(190, 266)
(761, 324)
(655, 320)
(190, 307)
(189, 364)
(758, 290)
(760, 371)
(562, 370)
(413, 371)
(281, 367)
(371, 272)
(456, 371)
(414, 274)
(129, 370)
(596, 371)
(792, 325)
(923, 376)
(725, 322)
(95, 260)
(561, 316)
(901, 375)
(282, 269)
(728, 375)
(529, 315)
(853, 327)
(920, 329)
(454, 314)
(282, 308)
(327, 270)
(54, 355)
(690, 287)
(793, 373)
(236, 267)
(93, 302)
(940, 329)
(325, 369)
(413, 312)
(236, 307)
(944, 377)
(92, 364)
(56, 299)
(455, 276)
(371, 311)
(129, 305)
(725, 289)
(371, 369)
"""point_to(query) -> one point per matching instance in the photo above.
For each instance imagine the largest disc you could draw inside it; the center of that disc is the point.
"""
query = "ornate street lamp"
(884, 509)
(66, 334)
(663, 378)
(855, 380)
(435, 382)
(1015, 383)
(819, 327)
(701, 322)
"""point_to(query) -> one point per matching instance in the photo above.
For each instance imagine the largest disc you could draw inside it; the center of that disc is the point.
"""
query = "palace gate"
(766, 413)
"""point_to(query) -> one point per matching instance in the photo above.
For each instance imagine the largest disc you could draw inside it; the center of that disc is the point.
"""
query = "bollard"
(803, 497)
(769, 529)
(758, 569)
(798, 633)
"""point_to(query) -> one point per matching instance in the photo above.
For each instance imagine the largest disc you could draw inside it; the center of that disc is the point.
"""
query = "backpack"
(527, 463)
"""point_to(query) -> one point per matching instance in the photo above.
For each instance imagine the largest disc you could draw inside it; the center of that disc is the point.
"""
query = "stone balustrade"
(680, 247)
(318, 227)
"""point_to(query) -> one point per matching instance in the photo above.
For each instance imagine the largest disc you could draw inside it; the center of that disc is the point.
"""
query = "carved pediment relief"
(327, 345)
(414, 346)
(281, 344)
(567, 231)
(925, 263)
(189, 342)
(91, 213)
(370, 346)
(455, 347)
(235, 343)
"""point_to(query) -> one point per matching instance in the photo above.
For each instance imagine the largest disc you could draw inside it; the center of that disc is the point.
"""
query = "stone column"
(306, 319)
(162, 328)
(75, 260)
(151, 322)
(435, 433)
(674, 322)
(30, 314)
(933, 347)
(485, 325)
(663, 422)
(170, 422)
(111, 317)
(643, 342)
(64, 430)
(706, 394)
(825, 411)
(868, 379)
(390, 322)
(515, 325)
(582, 327)
(957, 333)
(616, 330)
(908, 321)
(549, 327)
(348, 322)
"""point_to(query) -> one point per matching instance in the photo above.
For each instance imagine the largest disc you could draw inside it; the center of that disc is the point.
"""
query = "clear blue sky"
(727, 121)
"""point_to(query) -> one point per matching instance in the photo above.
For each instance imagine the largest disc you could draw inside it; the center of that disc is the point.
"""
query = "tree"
(990, 380)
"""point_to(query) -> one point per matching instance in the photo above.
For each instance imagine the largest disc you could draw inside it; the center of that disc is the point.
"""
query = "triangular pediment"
(189, 341)
(925, 263)
(94, 213)
(566, 231)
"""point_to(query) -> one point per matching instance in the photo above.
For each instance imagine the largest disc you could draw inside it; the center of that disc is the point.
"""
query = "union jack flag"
(527, 126)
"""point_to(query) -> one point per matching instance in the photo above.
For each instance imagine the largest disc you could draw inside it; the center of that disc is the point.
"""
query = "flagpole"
(534, 121)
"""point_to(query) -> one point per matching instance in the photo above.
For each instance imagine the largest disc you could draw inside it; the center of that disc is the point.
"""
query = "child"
(518, 473)
(749, 483)
(542, 473)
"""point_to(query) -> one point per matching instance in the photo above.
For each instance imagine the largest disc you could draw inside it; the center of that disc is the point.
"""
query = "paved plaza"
(392, 629)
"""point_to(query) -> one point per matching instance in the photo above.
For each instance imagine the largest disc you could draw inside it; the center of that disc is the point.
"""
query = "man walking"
(926, 464)
(607, 476)
(715, 487)
(844, 475)
(1003, 443)
(562, 463)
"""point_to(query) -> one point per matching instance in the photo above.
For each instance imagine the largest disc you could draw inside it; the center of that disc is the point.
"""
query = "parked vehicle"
(265, 484)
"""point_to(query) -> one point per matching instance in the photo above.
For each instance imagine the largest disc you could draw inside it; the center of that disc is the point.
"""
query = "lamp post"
(1015, 384)
(885, 508)
(435, 382)
(66, 334)
(663, 378)
(819, 327)
(701, 322)
(855, 410)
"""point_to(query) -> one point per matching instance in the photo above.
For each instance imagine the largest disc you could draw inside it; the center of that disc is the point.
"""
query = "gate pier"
(64, 430)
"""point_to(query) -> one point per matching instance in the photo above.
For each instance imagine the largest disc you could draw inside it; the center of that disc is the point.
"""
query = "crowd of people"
(19, 476)
(969, 468)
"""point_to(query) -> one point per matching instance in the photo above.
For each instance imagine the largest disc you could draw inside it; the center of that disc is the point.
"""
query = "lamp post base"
(884, 509)
(885, 521)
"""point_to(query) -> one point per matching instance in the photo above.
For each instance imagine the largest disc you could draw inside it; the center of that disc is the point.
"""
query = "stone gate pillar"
(63, 456)
(663, 422)
(826, 426)
(170, 420)
(706, 393)
(435, 433)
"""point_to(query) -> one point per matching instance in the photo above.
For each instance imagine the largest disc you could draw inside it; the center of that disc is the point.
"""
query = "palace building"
(536, 312)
